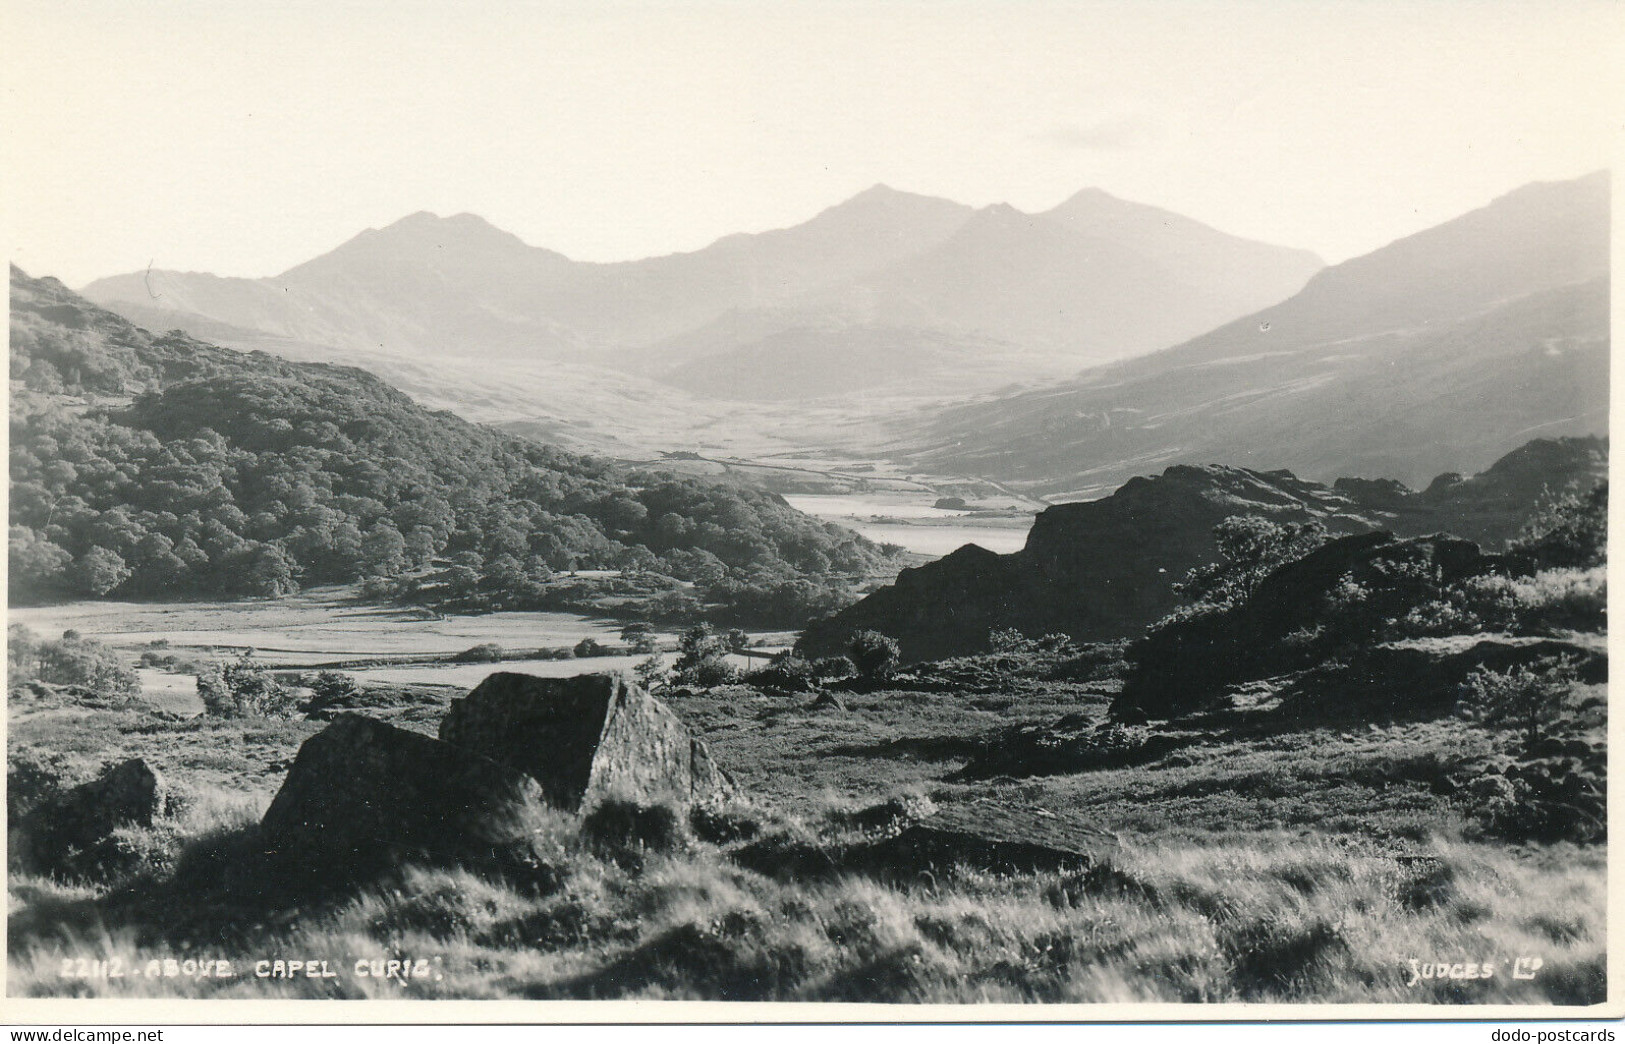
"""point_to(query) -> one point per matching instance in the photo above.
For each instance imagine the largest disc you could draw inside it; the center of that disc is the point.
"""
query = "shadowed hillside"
(1104, 569)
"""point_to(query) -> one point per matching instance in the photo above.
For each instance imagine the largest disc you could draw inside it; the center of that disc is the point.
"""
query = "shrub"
(721, 824)
(626, 831)
(1556, 792)
(589, 647)
(32, 776)
(1010, 640)
(1550, 600)
(833, 668)
(710, 673)
(874, 655)
(1570, 532)
(330, 689)
(1528, 698)
(787, 672)
(486, 652)
(242, 690)
(332, 684)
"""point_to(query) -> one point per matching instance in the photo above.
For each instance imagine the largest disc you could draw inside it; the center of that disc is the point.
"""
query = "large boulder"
(363, 796)
(583, 738)
(69, 832)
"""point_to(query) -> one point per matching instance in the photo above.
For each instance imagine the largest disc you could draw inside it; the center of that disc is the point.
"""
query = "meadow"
(328, 625)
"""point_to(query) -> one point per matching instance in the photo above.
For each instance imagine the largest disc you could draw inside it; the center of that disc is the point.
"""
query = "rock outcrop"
(583, 738)
(363, 796)
(1186, 662)
(1104, 569)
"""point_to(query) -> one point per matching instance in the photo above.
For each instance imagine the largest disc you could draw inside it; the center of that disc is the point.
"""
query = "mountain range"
(1439, 352)
(897, 291)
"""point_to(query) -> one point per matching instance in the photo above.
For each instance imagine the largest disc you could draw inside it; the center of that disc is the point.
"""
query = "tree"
(38, 566)
(99, 571)
(1250, 548)
(639, 637)
(704, 658)
(265, 570)
(651, 673)
(383, 551)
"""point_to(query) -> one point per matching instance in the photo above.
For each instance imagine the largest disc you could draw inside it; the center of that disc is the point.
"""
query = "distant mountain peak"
(425, 235)
(884, 198)
(1092, 194)
(425, 221)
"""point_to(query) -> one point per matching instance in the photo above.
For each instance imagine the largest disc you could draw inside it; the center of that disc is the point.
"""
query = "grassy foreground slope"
(1235, 862)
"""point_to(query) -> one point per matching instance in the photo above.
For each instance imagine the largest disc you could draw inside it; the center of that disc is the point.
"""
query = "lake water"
(913, 523)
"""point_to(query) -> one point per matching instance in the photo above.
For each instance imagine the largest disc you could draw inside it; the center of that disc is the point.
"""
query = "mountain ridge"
(430, 286)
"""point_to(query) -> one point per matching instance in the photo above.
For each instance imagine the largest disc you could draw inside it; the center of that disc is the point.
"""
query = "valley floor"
(326, 627)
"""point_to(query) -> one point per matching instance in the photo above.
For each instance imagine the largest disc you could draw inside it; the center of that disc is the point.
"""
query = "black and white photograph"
(980, 510)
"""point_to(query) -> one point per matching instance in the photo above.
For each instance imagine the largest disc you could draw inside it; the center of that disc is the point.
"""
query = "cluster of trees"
(71, 660)
(233, 474)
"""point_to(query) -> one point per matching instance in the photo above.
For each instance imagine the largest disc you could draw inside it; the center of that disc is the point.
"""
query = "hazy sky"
(244, 136)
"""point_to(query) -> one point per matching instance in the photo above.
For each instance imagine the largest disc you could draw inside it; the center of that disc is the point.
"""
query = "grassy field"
(398, 646)
(1239, 863)
(316, 625)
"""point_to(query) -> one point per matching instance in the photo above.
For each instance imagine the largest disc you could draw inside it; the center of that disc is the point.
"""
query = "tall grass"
(1268, 918)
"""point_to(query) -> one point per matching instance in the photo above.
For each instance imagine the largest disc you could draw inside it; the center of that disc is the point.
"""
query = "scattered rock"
(363, 796)
(585, 738)
(933, 848)
(1069, 744)
(1004, 841)
(65, 833)
(828, 701)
